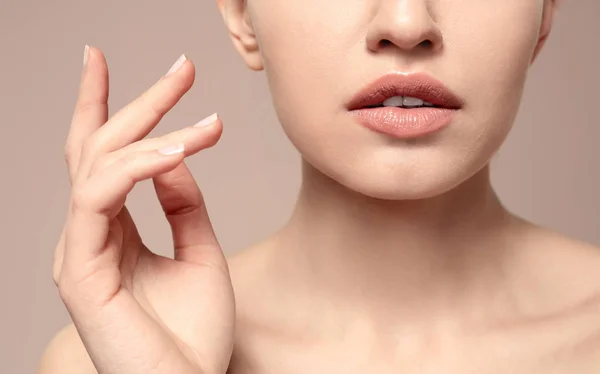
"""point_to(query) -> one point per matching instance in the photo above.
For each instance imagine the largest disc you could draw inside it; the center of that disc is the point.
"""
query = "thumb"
(194, 239)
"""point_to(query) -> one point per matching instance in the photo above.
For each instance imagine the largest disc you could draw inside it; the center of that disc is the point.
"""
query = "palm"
(193, 302)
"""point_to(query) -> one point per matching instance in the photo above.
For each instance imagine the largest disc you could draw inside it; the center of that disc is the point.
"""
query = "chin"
(396, 183)
(397, 190)
(387, 168)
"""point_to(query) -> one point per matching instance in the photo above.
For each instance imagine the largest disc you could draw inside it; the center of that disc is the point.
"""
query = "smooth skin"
(119, 293)
(398, 258)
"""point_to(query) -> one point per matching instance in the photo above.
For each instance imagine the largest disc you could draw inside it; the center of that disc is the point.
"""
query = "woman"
(398, 257)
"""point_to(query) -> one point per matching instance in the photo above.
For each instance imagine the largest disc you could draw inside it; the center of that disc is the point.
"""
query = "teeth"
(412, 101)
(394, 101)
(407, 101)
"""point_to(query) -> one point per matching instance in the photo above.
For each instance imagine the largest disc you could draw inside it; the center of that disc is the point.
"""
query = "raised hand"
(138, 312)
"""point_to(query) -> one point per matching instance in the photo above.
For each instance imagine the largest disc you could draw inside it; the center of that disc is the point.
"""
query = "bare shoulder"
(65, 354)
(573, 262)
(564, 275)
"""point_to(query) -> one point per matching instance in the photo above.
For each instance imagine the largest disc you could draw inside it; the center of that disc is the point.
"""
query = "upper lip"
(418, 85)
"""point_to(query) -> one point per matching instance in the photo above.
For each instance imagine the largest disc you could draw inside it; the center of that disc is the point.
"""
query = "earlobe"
(545, 28)
(237, 20)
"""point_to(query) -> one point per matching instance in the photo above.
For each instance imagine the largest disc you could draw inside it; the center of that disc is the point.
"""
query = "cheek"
(305, 45)
(489, 67)
(303, 64)
(493, 61)
(300, 37)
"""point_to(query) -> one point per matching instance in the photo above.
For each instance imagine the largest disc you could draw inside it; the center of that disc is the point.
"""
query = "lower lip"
(405, 123)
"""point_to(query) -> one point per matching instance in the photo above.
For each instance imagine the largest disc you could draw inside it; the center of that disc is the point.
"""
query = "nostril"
(384, 43)
(427, 44)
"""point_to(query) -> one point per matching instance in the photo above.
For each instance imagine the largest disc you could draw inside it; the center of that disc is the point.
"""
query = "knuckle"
(69, 151)
(93, 288)
(81, 199)
(56, 275)
(131, 160)
(156, 108)
(85, 108)
(68, 157)
(56, 270)
(71, 289)
(65, 289)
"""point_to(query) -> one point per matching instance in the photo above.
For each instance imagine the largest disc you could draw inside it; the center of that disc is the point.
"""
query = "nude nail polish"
(207, 121)
(177, 64)
(86, 53)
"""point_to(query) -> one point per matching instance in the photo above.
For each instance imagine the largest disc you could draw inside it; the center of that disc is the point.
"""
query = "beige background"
(547, 171)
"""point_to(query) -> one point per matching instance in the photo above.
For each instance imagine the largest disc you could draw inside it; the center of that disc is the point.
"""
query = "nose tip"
(406, 25)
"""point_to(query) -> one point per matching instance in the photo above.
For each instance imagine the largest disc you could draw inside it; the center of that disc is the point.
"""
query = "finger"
(91, 110)
(195, 138)
(125, 219)
(194, 239)
(98, 200)
(138, 118)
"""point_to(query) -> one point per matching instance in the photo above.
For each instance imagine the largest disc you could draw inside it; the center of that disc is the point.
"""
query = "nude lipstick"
(405, 105)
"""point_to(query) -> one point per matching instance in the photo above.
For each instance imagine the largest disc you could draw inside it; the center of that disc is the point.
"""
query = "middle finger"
(203, 134)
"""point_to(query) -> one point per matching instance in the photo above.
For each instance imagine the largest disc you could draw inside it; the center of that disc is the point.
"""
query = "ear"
(237, 20)
(547, 21)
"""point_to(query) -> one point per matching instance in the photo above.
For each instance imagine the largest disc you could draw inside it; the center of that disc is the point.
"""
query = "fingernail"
(86, 53)
(208, 120)
(177, 64)
(172, 149)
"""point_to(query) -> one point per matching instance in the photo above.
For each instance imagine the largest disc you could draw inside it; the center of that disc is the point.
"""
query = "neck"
(429, 253)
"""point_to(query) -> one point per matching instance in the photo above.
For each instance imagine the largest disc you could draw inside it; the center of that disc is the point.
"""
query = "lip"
(400, 122)
(419, 85)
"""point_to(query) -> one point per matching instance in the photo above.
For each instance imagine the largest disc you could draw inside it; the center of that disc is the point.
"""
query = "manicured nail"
(172, 149)
(177, 64)
(86, 53)
(208, 120)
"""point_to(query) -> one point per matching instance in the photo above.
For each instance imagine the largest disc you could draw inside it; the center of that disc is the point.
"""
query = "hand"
(138, 312)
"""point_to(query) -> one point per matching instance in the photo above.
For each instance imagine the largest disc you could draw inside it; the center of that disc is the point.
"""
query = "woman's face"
(319, 54)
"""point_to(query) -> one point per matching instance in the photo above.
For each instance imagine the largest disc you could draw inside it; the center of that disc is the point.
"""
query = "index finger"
(91, 110)
(138, 118)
